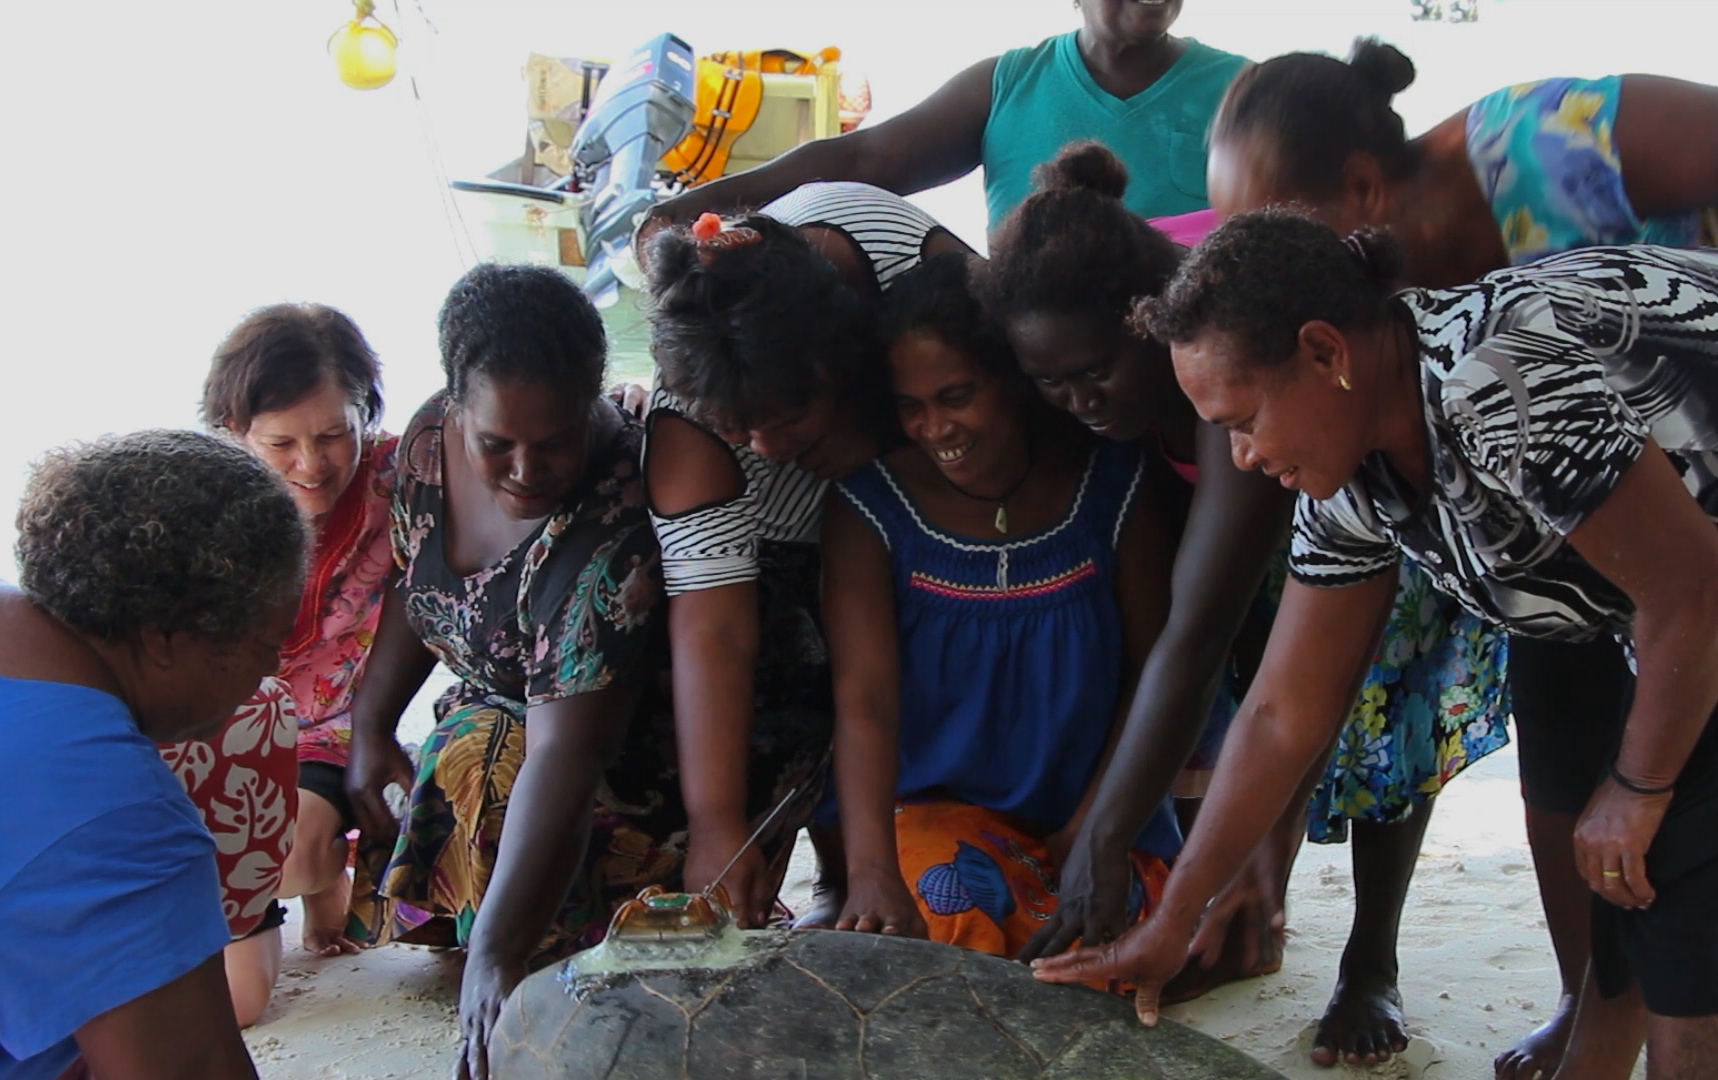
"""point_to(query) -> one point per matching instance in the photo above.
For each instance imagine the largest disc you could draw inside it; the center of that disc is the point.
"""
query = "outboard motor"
(643, 107)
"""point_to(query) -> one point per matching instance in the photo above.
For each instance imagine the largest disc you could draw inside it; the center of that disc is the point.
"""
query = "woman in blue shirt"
(990, 590)
(159, 574)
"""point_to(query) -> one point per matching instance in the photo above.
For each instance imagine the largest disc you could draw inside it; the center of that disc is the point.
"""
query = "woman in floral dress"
(545, 795)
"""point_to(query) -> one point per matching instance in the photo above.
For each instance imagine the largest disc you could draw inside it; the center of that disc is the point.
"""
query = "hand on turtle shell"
(880, 903)
(482, 990)
(748, 882)
(1148, 955)
(1092, 904)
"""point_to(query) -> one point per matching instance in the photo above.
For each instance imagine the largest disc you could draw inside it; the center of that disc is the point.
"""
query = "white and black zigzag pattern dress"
(1541, 385)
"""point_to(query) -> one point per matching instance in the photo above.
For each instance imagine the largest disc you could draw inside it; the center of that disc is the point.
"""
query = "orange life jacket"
(730, 92)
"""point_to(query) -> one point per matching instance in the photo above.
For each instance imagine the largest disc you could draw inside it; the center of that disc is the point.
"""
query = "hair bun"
(1087, 165)
(1384, 68)
(1378, 251)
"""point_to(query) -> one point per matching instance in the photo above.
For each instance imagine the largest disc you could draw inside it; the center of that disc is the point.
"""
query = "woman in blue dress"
(989, 589)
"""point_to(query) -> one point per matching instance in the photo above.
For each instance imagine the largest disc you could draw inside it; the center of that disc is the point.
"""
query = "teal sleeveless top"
(1043, 98)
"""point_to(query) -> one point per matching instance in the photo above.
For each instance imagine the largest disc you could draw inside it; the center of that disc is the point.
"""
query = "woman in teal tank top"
(1525, 172)
(1120, 79)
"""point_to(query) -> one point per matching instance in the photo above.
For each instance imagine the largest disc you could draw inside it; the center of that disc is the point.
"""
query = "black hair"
(174, 531)
(521, 324)
(750, 331)
(1072, 247)
(279, 356)
(935, 298)
(1263, 275)
(1318, 110)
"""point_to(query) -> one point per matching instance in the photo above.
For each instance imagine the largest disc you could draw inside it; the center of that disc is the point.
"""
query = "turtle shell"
(827, 1005)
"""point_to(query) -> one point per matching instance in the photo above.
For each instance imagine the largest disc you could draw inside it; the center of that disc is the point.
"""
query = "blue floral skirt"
(1433, 703)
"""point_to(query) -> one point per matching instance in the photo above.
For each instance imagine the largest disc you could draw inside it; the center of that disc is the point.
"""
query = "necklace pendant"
(1002, 518)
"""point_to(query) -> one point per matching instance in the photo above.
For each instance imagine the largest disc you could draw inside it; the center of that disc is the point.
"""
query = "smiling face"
(1121, 23)
(1100, 373)
(313, 444)
(525, 441)
(960, 415)
(1293, 421)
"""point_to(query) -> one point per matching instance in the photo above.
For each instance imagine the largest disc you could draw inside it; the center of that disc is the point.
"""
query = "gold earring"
(1342, 381)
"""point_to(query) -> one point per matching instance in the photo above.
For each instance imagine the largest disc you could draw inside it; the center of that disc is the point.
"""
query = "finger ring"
(1613, 873)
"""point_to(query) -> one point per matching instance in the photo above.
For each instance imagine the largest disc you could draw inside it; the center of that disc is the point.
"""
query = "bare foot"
(1362, 1025)
(825, 910)
(325, 919)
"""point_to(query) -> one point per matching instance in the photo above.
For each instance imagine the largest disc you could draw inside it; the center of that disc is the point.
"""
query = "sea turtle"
(677, 991)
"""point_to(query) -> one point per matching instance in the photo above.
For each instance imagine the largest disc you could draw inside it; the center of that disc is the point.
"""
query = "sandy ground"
(1476, 963)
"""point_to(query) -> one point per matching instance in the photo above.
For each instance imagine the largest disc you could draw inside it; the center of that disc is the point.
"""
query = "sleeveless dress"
(1011, 655)
(1043, 98)
(769, 534)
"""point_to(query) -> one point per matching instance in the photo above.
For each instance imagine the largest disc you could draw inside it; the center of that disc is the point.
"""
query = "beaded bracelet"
(1639, 789)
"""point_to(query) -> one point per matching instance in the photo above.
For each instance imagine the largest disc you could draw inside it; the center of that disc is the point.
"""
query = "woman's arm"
(185, 1028)
(1236, 524)
(568, 745)
(714, 638)
(1653, 540)
(859, 620)
(936, 141)
(1145, 560)
(398, 665)
(1320, 649)
(1667, 139)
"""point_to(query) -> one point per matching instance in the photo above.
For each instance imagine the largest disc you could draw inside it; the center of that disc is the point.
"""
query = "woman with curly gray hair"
(160, 572)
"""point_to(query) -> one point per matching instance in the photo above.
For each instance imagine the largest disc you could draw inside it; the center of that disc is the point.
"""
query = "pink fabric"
(1189, 473)
(323, 673)
(1187, 229)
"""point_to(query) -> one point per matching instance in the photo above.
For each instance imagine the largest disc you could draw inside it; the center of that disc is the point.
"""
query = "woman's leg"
(829, 892)
(253, 967)
(316, 870)
(1362, 1025)
(1432, 704)
(1567, 698)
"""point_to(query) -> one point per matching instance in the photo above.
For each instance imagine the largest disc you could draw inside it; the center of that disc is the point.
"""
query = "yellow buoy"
(363, 50)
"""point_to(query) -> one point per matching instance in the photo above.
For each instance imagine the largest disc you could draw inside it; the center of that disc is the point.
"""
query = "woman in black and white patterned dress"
(1545, 442)
(769, 389)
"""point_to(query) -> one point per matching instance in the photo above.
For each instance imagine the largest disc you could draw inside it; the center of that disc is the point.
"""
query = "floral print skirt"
(244, 782)
(984, 881)
(1433, 703)
(429, 887)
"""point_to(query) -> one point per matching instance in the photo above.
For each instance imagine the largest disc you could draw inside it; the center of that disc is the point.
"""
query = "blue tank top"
(1043, 98)
(1011, 650)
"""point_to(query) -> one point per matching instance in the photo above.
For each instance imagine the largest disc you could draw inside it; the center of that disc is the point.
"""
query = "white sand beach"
(1477, 970)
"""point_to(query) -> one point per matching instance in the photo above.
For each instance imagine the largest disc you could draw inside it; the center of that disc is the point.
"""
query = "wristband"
(1639, 789)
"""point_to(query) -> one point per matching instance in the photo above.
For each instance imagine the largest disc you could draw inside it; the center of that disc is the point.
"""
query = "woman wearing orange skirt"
(990, 587)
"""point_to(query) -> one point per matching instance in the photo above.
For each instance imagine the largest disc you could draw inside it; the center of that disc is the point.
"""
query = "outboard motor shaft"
(644, 106)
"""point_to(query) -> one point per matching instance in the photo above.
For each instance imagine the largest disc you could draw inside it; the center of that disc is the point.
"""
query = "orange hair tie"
(706, 227)
(714, 237)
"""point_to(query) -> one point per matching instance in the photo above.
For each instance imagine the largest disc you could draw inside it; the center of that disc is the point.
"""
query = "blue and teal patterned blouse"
(1546, 158)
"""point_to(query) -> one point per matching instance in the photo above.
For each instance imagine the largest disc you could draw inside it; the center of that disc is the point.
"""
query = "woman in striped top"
(1542, 441)
(769, 389)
